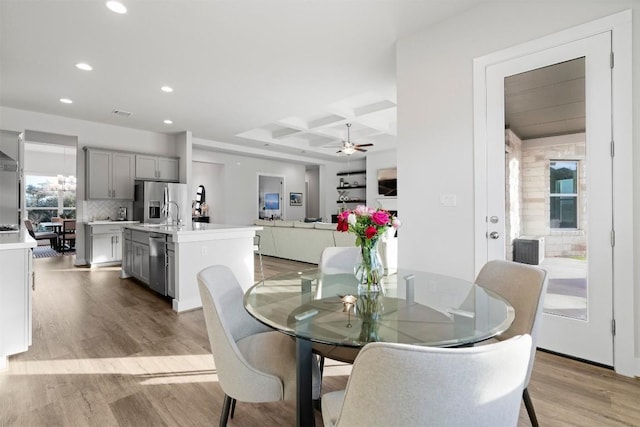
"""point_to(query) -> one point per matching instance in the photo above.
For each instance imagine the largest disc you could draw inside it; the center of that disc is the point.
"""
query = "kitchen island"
(15, 293)
(167, 258)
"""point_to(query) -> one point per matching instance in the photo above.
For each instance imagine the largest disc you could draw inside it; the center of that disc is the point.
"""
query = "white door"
(579, 283)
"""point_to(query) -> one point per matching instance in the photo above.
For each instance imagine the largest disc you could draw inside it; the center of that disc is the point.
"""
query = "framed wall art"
(295, 199)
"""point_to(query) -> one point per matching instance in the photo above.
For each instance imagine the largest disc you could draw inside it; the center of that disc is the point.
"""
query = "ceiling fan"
(349, 147)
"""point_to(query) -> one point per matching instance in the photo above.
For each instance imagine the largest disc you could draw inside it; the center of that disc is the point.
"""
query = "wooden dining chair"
(68, 234)
(409, 385)
(253, 362)
(524, 286)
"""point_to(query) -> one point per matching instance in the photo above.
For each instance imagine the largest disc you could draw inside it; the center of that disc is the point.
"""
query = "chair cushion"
(42, 235)
(331, 406)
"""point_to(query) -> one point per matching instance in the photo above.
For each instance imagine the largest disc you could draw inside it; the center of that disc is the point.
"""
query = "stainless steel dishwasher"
(157, 262)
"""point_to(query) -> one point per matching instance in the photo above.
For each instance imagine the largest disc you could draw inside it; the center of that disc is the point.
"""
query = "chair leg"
(226, 405)
(261, 268)
(529, 405)
(321, 365)
(233, 407)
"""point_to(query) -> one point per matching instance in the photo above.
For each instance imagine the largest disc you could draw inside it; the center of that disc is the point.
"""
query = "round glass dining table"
(415, 307)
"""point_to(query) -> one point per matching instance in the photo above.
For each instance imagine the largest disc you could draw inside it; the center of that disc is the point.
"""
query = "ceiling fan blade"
(339, 151)
(364, 145)
(360, 149)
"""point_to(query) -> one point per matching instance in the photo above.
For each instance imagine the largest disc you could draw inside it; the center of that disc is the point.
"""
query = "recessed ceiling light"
(168, 122)
(116, 6)
(83, 66)
(66, 101)
(167, 89)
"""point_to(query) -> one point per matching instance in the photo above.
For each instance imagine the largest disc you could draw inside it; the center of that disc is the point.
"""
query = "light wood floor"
(107, 352)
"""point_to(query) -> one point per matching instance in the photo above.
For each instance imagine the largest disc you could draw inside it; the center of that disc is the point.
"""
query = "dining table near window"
(56, 227)
(416, 307)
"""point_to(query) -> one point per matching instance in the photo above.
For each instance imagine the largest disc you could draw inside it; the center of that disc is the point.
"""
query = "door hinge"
(613, 327)
(611, 60)
(613, 238)
(613, 148)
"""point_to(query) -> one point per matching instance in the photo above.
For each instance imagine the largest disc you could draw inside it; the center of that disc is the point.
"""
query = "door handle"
(494, 235)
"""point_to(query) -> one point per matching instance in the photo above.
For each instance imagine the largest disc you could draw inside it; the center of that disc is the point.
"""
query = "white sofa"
(304, 241)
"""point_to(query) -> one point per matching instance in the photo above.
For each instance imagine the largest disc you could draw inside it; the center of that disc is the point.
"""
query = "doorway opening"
(270, 196)
(49, 186)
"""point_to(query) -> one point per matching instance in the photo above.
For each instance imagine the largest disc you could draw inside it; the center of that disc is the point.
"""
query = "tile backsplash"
(107, 209)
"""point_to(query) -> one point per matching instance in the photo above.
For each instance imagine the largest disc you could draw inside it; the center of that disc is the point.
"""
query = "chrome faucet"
(167, 207)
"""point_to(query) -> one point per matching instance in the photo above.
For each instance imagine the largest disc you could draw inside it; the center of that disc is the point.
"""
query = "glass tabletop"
(415, 308)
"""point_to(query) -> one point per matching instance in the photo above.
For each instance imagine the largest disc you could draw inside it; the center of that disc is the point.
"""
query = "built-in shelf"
(351, 173)
(349, 187)
(351, 201)
(359, 195)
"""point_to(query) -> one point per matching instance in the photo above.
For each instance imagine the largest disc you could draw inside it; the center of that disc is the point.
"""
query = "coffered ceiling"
(272, 77)
(243, 72)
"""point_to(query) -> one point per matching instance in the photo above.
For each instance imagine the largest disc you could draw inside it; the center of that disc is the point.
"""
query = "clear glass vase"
(369, 270)
(369, 309)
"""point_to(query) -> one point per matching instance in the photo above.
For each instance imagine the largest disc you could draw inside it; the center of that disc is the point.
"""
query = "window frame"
(575, 195)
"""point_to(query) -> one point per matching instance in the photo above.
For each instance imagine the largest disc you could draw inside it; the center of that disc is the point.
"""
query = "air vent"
(121, 113)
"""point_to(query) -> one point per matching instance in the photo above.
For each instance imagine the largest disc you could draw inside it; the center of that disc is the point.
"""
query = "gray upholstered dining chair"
(42, 235)
(409, 385)
(339, 259)
(524, 286)
(336, 260)
(253, 362)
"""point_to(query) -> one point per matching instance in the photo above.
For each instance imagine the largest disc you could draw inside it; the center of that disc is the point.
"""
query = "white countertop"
(110, 222)
(21, 240)
(197, 231)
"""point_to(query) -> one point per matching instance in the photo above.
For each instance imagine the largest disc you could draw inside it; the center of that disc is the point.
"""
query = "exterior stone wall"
(513, 190)
(536, 157)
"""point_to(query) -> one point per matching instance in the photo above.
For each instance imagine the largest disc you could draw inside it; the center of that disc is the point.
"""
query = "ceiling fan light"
(348, 150)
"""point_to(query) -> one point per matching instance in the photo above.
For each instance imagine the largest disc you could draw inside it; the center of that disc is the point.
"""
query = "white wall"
(380, 160)
(50, 163)
(211, 176)
(312, 195)
(241, 181)
(435, 122)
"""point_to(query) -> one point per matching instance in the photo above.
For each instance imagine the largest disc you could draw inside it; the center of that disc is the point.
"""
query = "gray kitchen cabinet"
(140, 256)
(104, 243)
(157, 168)
(171, 268)
(127, 254)
(110, 174)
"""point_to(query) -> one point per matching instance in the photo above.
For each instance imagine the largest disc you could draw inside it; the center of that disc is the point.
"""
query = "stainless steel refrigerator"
(158, 202)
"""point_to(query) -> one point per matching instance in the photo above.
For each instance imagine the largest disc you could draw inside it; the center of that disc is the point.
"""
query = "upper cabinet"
(110, 174)
(157, 168)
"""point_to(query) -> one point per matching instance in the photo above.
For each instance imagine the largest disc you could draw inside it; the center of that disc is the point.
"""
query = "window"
(50, 196)
(563, 194)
